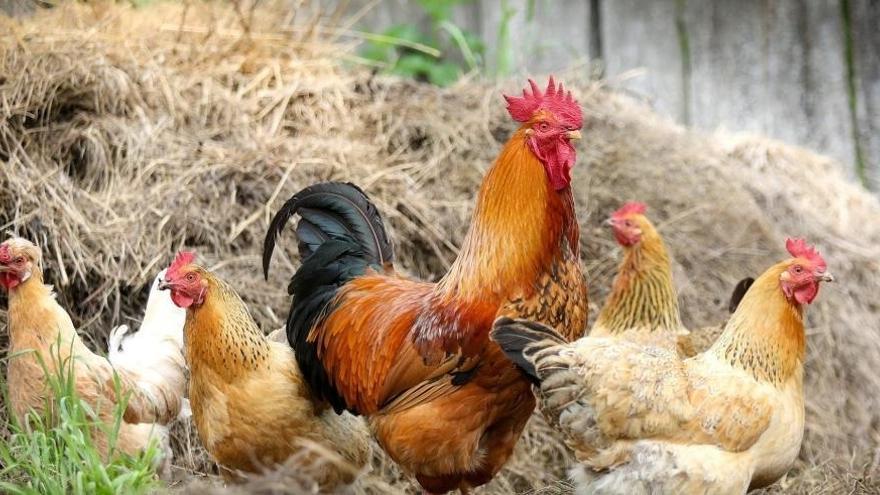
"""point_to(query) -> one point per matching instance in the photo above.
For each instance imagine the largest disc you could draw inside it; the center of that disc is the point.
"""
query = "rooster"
(643, 304)
(414, 356)
(642, 420)
(251, 406)
(41, 331)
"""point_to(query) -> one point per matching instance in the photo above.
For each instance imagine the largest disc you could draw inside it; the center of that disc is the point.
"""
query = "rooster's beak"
(609, 222)
(825, 277)
(573, 134)
(163, 285)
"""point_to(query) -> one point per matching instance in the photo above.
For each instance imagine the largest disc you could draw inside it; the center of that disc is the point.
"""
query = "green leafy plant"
(439, 55)
(53, 453)
(504, 55)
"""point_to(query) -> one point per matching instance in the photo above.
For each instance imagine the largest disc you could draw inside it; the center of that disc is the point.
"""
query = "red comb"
(799, 248)
(183, 258)
(555, 99)
(5, 257)
(630, 207)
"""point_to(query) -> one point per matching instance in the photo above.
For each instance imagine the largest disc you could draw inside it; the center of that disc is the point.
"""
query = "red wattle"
(181, 300)
(558, 157)
(9, 280)
(806, 293)
(625, 240)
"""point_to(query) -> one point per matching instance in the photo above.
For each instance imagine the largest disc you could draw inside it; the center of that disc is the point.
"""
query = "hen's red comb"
(630, 207)
(183, 258)
(5, 257)
(555, 99)
(799, 248)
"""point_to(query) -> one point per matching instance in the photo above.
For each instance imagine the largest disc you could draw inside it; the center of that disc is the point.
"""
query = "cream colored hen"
(641, 420)
(41, 330)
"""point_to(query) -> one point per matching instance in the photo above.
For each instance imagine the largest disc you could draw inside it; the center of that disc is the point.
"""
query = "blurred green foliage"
(439, 54)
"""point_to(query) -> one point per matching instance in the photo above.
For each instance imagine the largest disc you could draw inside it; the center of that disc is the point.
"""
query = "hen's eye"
(798, 269)
(543, 126)
(190, 277)
(628, 223)
(19, 260)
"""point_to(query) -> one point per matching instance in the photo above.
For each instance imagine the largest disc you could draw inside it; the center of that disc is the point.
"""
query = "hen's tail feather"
(739, 292)
(535, 349)
(524, 342)
(331, 211)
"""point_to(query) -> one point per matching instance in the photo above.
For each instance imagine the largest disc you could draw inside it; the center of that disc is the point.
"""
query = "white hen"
(155, 352)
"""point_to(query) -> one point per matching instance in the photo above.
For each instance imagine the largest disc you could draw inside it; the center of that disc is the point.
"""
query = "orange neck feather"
(221, 335)
(518, 225)
(765, 336)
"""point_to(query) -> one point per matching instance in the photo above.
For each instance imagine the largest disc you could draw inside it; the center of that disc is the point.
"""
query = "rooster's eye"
(543, 126)
(19, 260)
(798, 269)
(190, 277)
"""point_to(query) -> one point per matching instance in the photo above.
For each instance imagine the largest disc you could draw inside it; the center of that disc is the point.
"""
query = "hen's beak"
(609, 222)
(5, 268)
(825, 277)
(163, 285)
(573, 134)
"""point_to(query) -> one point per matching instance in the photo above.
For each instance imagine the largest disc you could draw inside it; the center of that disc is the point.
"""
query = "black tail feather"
(739, 292)
(331, 210)
(340, 234)
(521, 340)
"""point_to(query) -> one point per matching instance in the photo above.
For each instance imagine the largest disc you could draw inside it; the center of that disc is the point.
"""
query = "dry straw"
(127, 134)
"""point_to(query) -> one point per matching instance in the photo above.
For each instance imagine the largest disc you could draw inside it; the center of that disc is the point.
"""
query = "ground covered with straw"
(129, 134)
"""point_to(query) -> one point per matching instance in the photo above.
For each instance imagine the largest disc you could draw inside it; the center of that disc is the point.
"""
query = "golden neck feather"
(518, 223)
(643, 295)
(765, 336)
(221, 333)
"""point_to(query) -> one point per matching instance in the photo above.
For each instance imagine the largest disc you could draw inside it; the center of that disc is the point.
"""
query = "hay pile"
(128, 134)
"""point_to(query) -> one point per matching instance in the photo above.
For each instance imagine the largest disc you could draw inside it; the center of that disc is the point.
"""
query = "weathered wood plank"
(726, 41)
(643, 35)
(771, 67)
(865, 30)
(807, 77)
(561, 34)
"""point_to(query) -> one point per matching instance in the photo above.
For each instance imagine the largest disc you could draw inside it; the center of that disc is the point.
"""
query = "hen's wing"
(146, 402)
(600, 390)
